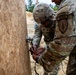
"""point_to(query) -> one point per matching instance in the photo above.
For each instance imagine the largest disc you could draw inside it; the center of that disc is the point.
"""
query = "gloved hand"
(36, 52)
(33, 49)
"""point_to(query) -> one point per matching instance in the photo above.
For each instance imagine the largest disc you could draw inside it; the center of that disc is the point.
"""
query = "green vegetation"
(30, 7)
(55, 8)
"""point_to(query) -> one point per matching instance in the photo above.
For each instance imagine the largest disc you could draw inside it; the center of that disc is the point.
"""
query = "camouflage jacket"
(72, 9)
(65, 32)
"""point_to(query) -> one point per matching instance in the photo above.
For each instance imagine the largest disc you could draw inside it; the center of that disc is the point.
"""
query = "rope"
(36, 73)
(63, 68)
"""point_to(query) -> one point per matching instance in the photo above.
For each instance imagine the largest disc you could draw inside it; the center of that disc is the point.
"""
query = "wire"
(36, 73)
(63, 68)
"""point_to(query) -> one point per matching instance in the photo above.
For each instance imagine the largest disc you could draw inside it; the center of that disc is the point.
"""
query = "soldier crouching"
(44, 25)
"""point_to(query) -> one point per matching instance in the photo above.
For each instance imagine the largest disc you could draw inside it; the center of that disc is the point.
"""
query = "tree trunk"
(14, 57)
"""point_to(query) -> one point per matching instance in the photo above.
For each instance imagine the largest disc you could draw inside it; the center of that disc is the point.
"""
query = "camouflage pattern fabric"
(41, 12)
(36, 40)
(71, 68)
(64, 41)
(46, 32)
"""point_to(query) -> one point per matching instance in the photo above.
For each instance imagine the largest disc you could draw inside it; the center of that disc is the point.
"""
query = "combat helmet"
(41, 12)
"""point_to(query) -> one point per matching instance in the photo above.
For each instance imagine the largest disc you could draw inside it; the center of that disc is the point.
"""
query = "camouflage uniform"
(47, 32)
(71, 67)
(65, 38)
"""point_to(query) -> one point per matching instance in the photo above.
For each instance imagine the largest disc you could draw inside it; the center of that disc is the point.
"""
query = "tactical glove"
(33, 49)
(36, 52)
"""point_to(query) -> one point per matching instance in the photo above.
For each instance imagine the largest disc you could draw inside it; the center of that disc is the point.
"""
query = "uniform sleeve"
(75, 15)
(75, 19)
(37, 35)
(73, 10)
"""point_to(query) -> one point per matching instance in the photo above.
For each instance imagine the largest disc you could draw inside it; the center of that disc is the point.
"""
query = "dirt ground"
(39, 69)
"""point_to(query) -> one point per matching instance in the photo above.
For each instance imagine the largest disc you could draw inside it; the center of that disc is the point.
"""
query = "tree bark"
(14, 56)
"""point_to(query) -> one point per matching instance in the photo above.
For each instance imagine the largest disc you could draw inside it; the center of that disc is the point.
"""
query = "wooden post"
(14, 57)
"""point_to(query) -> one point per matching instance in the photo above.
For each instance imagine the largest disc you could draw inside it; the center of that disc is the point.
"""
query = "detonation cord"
(36, 73)
(63, 68)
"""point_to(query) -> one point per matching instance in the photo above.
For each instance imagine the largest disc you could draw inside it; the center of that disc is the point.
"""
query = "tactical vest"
(48, 33)
(64, 39)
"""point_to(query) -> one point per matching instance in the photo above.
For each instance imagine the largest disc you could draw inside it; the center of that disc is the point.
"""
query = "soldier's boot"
(71, 67)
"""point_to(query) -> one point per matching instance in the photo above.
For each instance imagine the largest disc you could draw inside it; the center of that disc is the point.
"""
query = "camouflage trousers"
(71, 67)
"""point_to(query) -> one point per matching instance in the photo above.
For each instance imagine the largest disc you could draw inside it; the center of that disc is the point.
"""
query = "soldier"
(69, 7)
(44, 25)
(64, 42)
